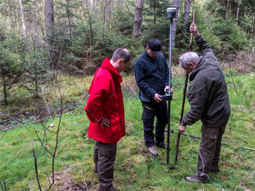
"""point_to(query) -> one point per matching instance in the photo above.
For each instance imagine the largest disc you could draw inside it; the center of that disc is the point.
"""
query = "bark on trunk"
(49, 21)
(138, 18)
(186, 18)
(155, 10)
(89, 4)
(237, 13)
(107, 10)
(252, 28)
(227, 9)
(22, 18)
(176, 5)
(5, 90)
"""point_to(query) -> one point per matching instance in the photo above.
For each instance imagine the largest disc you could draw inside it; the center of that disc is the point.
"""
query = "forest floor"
(135, 168)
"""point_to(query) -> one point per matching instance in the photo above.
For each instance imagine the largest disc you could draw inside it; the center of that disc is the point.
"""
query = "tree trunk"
(224, 9)
(252, 28)
(68, 13)
(176, 5)
(5, 90)
(89, 4)
(91, 38)
(107, 10)
(227, 8)
(186, 18)
(22, 18)
(155, 10)
(138, 18)
(49, 21)
(35, 70)
(237, 13)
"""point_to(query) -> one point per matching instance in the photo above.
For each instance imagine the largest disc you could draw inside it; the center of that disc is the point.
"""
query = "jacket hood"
(107, 65)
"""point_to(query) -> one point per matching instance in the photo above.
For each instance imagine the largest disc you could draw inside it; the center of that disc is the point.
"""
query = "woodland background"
(49, 51)
(39, 38)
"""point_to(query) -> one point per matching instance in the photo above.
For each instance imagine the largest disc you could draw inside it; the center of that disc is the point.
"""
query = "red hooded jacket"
(106, 100)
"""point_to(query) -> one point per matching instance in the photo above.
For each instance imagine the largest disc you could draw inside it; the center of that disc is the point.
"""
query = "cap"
(155, 46)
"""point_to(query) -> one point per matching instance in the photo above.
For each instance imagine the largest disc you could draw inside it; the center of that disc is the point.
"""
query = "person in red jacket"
(105, 110)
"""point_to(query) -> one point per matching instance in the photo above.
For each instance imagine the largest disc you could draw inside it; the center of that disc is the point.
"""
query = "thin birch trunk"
(22, 18)
(237, 14)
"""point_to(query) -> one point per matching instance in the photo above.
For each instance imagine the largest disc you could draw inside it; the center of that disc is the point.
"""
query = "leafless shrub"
(129, 85)
(243, 62)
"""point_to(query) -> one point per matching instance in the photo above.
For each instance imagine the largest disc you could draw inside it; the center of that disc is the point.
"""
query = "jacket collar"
(148, 56)
(199, 65)
(108, 66)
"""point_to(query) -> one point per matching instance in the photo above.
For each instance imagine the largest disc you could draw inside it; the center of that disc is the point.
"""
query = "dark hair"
(121, 53)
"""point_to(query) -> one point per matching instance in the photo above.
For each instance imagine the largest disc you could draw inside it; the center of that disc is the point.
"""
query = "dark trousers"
(210, 148)
(104, 158)
(150, 111)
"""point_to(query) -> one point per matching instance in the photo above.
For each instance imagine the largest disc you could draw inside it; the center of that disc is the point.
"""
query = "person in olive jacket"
(209, 101)
(105, 110)
(152, 78)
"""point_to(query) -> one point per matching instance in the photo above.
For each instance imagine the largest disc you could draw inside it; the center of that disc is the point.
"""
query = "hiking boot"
(215, 168)
(161, 145)
(195, 179)
(152, 150)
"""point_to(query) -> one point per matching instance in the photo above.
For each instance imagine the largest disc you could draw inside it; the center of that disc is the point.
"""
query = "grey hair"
(187, 57)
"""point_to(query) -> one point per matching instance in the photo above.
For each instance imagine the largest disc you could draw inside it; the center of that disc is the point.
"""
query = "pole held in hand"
(184, 94)
(171, 13)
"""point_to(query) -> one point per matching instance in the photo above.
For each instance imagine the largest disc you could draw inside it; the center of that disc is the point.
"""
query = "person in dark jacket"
(209, 101)
(152, 78)
(105, 110)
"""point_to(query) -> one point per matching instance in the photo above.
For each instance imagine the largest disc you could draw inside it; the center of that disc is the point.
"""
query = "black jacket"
(152, 76)
(207, 95)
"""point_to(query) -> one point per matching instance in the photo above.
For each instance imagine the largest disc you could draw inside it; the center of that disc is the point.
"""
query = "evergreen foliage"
(36, 68)
(11, 63)
(86, 33)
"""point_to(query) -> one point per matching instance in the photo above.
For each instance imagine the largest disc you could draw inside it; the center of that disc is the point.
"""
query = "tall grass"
(135, 169)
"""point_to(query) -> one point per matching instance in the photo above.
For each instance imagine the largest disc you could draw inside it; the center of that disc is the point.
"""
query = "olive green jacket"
(207, 94)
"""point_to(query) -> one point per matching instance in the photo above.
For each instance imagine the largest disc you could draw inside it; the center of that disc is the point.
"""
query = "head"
(154, 48)
(188, 61)
(121, 59)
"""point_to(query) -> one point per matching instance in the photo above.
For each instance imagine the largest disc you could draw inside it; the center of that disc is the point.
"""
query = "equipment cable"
(202, 174)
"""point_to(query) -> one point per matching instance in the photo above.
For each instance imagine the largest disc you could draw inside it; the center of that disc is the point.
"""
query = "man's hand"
(193, 29)
(181, 129)
(157, 98)
(106, 122)
(167, 90)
